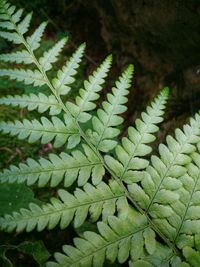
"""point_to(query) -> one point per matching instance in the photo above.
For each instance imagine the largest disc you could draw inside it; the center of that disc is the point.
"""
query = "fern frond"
(11, 36)
(7, 8)
(18, 57)
(159, 192)
(17, 16)
(23, 26)
(102, 199)
(90, 92)
(129, 164)
(11, 24)
(79, 165)
(26, 76)
(40, 102)
(187, 208)
(51, 56)
(192, 256)
(161, 257)
(46, 130)
(107, 118)
(34, 40)
(7, 25)
(117, 239)
(65, 77)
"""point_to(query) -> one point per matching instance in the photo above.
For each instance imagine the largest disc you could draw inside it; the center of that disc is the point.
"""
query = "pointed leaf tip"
(165, 91)
(130, 68)
(109, 57)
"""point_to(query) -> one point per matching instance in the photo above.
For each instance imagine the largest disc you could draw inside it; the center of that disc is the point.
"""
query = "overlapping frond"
(118, 239)
(129, 153)
(77, 166)
(107, 119)
(45, 130)
(90, 92)
(101, 200)
(40, 102)
(160, 190)
(65, 77)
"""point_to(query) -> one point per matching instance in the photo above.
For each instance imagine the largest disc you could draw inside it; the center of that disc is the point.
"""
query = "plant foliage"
(146, 206)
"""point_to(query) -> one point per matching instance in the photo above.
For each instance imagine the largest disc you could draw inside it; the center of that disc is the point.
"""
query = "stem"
(83, 135)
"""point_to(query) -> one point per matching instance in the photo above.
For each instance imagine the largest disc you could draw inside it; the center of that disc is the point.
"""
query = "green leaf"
(24, 24)
(79, 165)
(90, 92)
(45, 130)
(12, 37)
(135, 145)
(51, 56)
(65, 77)
(40, 102)
(93, 200)
(15, 196)
(150, 243)
(104, 124)
(115, 241)
(26, 76)
(34, 40)
(18, 57)
(36, 249)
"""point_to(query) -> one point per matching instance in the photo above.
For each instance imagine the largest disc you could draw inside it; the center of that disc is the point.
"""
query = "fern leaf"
(7, 8)
(46, 130)
(17, 16)
(7, 11)
(35, 38)
(161, 257)
(51, 56)
(192, 256)
(65, 76)
(79, 165)
(117, 239)
(159, 192)
(7, 25)
(40, 102)
(18, 57)
(90, 92)
(135, 146)
(71, 207)
(107, 118)
(11, 36)
(187, 208)
(3, 16)
(24, 24)
(27, 76)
